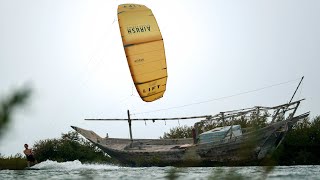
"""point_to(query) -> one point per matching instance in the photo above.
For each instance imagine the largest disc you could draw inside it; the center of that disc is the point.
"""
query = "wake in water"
(72, 165)
(77, 170)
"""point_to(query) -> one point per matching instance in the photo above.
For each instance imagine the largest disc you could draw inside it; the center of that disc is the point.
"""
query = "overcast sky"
(71, 54)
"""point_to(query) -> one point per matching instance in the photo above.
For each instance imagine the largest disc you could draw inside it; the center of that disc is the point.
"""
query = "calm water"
(76, 170)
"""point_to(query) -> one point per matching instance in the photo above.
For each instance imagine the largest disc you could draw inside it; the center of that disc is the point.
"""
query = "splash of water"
(72, 165)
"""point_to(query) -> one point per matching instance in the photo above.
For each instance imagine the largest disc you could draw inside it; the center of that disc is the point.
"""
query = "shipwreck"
(229, 144)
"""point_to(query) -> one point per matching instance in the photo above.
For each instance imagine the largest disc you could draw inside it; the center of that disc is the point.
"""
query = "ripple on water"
(77, 170)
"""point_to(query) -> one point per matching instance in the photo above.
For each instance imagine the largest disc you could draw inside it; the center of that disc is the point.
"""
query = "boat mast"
(296, 90)
(130, 130)
(292, 114)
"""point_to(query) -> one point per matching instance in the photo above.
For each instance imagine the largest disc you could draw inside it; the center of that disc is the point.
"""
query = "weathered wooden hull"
(249, 149)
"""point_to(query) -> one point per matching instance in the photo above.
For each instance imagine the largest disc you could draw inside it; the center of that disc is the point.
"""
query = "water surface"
(77, 170)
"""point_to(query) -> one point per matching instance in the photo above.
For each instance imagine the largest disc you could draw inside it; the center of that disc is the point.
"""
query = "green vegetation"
(9, 104)
(16, 162)
(69, 147)
(300, 146)
(178, 132)
(245, 122)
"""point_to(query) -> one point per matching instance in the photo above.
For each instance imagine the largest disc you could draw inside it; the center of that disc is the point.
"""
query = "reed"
(16, 162)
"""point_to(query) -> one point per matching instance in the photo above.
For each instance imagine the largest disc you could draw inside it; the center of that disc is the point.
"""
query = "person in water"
(29, 154)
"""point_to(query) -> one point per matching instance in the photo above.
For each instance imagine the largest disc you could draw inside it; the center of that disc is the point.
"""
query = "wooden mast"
(130, 130)
(296, 90)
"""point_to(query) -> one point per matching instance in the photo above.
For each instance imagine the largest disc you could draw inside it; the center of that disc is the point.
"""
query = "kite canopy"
(144, 48)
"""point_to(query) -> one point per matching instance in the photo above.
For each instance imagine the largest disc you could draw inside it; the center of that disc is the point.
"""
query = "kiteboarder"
(30, 157)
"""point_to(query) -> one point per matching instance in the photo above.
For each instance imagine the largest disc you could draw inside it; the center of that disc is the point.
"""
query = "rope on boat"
(226, 114)
(216, 99)
(151, 119)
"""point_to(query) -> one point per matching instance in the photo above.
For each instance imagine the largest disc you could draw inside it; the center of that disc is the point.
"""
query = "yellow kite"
(144, 48)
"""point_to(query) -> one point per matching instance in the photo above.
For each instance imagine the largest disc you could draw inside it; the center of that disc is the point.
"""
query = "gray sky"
(71, 53)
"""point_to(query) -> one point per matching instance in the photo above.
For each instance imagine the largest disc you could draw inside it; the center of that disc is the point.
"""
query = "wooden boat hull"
(248, 149)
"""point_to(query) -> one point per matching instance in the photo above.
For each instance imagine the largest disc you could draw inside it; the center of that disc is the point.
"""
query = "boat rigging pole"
(292, 114)
(151, 119)
(130, 130)
(296, 89)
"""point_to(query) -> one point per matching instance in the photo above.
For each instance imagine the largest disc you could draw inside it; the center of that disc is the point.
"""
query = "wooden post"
(258, 114)
(129, 121)
(294, 111)
(275, 116)
(222, 117)
(196, 127)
